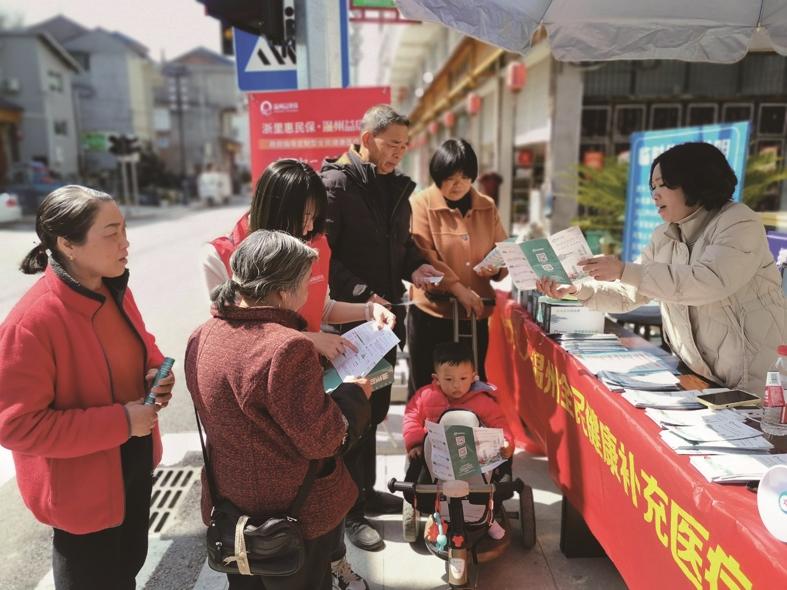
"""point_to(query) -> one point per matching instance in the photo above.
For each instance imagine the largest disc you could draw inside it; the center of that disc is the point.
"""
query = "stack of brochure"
(663, 400)
(578, 344)
(657, 381)
(629, 362)
(669, 418)
(683, 446)
(736, 468)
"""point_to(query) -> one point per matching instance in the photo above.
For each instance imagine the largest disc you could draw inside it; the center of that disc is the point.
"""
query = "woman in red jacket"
(75, 363)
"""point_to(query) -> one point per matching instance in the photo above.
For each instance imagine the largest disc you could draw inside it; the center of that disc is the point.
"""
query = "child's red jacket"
(430, 402)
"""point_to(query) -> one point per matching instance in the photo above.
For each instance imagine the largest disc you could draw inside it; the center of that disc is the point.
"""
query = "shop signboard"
(309, 125)
(641, 215)
(95, 141)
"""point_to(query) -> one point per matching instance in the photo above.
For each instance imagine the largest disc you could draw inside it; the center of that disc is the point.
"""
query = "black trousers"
(314, 575)
(111, 558)
(361, 459)
(424, 332)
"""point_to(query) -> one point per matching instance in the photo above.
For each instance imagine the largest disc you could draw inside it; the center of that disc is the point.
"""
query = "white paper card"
(372, 344)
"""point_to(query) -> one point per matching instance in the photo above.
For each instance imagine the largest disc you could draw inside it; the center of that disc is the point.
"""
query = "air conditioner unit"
(11, 85)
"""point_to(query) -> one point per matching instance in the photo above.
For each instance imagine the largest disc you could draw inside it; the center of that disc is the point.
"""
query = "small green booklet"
(381, 375)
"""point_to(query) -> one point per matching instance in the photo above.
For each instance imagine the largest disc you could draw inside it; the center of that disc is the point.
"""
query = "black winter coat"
(368, 246)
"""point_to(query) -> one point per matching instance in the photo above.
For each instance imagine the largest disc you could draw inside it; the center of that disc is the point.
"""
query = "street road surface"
(168, 287)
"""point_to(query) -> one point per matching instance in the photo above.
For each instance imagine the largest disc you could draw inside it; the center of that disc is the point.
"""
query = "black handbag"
(239, 544)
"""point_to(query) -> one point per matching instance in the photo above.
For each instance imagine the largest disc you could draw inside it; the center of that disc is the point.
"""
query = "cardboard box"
(381, 375)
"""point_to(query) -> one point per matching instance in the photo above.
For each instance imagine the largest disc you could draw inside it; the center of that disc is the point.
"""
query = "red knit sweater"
(257, 383)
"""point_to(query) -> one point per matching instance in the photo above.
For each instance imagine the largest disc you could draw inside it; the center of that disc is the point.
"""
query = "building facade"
(36, 74)
(196, 102)
(532, 119)
(113, 90)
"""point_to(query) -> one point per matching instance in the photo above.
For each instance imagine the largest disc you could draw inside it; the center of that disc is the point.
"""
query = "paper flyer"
(372, 344)
(555, 257)
(463, 452)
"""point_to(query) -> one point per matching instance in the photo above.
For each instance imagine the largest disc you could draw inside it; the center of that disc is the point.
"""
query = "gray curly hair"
(266, 262)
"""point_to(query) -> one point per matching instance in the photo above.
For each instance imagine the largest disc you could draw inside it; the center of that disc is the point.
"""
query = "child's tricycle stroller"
(455, 540)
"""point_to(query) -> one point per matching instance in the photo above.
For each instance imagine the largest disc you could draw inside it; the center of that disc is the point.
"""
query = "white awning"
(719, 31)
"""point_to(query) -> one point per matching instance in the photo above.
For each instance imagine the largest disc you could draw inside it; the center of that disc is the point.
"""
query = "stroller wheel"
(527, 517)
(411, 521)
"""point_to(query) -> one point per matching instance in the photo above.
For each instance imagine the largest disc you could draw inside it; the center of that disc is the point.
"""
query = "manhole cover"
(170, 485)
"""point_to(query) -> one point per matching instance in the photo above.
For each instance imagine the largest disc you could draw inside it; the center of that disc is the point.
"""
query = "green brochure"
(463, 452)
(544, 260)
(381, 375)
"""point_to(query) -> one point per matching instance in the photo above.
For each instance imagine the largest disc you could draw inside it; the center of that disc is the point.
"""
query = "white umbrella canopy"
(719, 31)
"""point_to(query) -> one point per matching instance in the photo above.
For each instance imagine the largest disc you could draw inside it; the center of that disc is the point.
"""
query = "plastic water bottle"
(774, 409)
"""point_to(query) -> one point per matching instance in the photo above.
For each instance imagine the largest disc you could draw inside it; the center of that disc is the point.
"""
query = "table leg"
(576, 540)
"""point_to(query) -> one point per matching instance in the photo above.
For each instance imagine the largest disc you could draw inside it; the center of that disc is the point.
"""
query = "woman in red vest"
(291, 197)
(75, 363)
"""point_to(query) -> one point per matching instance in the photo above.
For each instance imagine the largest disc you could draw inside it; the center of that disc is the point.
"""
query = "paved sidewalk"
(401, 566)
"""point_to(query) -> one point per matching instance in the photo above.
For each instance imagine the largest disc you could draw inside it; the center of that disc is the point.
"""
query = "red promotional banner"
(657, 518)
(309, 125)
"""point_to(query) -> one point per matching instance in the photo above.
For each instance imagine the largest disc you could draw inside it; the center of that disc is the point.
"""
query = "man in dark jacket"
(368, 226)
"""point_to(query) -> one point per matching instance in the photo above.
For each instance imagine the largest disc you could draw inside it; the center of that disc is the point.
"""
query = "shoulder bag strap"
(208, 472)
(300, 498)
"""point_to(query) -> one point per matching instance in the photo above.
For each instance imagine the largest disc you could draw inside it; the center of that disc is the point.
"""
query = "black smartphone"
(728, 399)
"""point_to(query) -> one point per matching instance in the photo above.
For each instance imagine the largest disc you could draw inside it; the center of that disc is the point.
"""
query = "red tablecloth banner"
(658, 519)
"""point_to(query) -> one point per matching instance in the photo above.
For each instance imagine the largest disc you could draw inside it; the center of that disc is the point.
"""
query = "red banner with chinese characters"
(309, 125)
(658, 519)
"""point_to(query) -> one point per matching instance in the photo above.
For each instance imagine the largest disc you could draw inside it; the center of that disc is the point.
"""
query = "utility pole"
(317, 34)
(178, 102)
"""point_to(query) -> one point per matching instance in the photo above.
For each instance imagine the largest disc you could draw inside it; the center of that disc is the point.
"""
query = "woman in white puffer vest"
(709, 266)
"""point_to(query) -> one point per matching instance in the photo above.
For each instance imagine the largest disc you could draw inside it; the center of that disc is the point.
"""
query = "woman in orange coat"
(455, 227)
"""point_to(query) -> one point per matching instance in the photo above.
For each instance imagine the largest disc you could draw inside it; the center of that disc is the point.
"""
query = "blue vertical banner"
(641, 214)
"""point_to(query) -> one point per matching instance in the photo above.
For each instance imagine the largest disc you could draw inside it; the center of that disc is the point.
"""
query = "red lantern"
(449, 118)
(593, 159)
(433, 127)
(524, 158)
(516, 76)
(473, 103)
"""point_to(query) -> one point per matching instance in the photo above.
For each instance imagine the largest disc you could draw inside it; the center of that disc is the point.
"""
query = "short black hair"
(452, 353)
(453, 155)
(701, 170)
(380, 117)
(281, 196)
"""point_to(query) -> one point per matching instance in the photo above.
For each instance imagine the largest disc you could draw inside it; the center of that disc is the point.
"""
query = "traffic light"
(258, 17)
(227, 47)
(132, 144)
(115, 145)
(123, 145)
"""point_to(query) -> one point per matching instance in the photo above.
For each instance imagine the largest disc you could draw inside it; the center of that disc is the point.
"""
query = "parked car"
(10, 210)
(31, 182)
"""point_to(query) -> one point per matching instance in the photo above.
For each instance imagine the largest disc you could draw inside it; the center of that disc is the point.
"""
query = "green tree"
(764, 172)
(601, 195)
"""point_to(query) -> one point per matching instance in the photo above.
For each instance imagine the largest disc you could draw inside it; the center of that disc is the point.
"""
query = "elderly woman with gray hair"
(256, 381)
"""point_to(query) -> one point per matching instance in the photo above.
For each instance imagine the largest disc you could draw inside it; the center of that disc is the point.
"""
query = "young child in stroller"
(455, 385)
